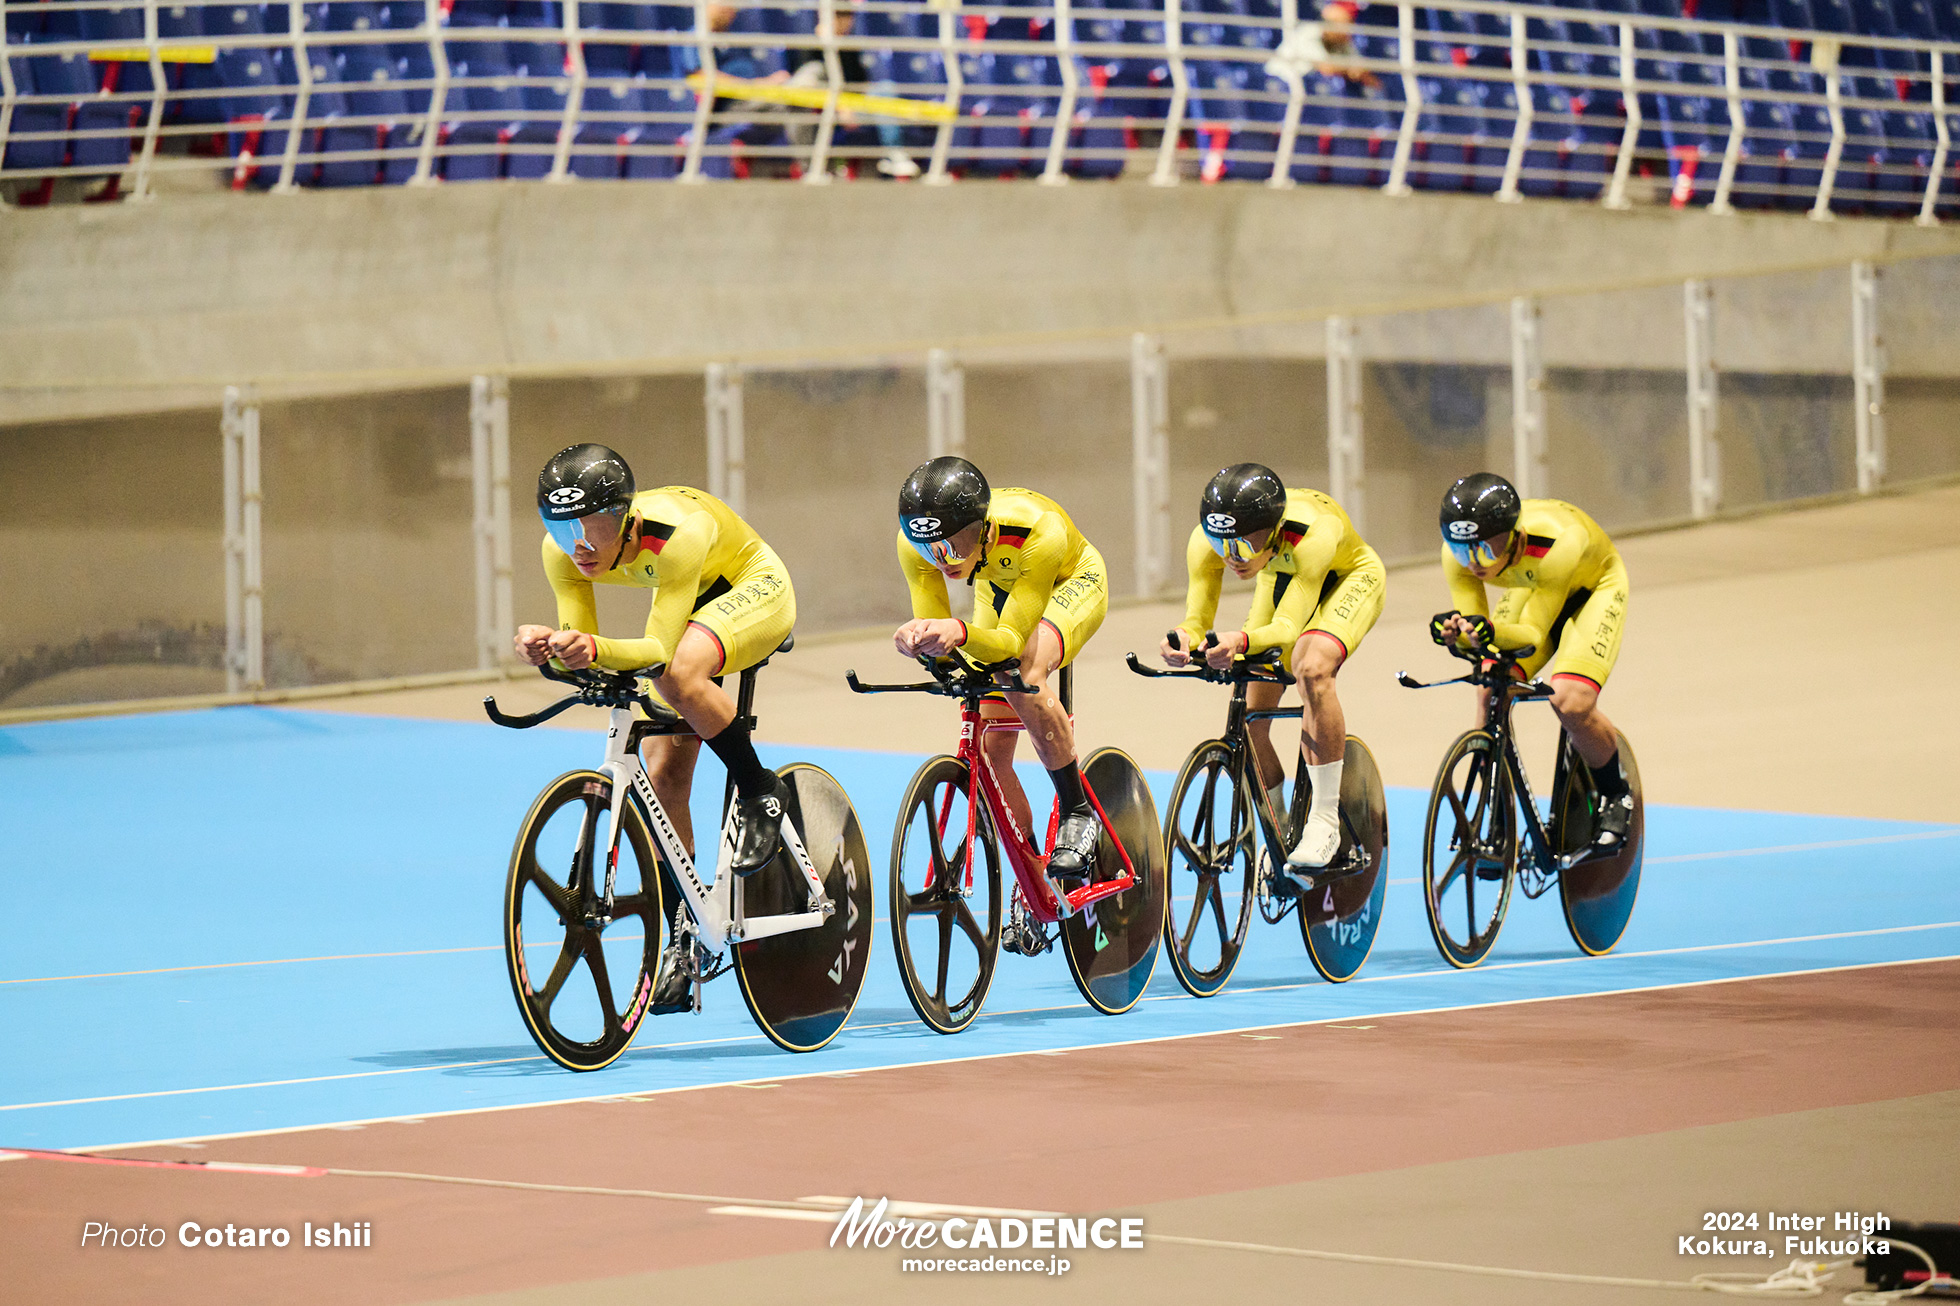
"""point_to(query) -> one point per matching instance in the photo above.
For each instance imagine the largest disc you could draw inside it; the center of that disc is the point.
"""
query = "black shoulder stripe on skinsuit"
(1293, 531)
(1013, 537)
(1538, 545)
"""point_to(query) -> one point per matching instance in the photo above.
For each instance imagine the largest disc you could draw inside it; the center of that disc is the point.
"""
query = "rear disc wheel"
(1111, 945)
(802, 986)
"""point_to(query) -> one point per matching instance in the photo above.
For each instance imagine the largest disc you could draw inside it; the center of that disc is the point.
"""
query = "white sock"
(1326, 781)
(1320, 837)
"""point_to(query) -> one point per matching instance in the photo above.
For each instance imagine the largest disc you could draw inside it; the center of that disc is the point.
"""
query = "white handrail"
(1281, 177)
(568, 126)
(1927, 217)
(1635, 79)
(1616, 194)
(1405, 136)
(1166, 173)
(303, 65)
(704, 95)
(425, 159)
(1827, 180)
(1732, 151)
(141, 188)
(1507, 190)
(949, 59)
(7, 83)
(1051, 173)
(817, 172)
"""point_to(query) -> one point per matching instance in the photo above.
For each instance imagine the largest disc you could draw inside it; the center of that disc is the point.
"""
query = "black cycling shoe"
(759, 828)
(1075, 845)
(1610, 827)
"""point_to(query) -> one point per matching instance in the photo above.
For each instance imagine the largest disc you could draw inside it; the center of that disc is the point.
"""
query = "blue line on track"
(249, 835)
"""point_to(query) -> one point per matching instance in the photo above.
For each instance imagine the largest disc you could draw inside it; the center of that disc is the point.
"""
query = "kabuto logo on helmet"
(565, 494)
(923, 525)
(1221, 523)
(1463, 530)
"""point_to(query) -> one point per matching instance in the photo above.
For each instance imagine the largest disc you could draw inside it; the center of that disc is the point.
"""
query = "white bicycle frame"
(716, 908)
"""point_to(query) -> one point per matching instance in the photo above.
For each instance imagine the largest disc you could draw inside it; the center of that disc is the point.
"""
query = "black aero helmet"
(1478, 515)
(938, 501)
(1241, 499)
(579, 481)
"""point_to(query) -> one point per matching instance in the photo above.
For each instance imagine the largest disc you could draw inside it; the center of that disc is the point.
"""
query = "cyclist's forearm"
(631, 654)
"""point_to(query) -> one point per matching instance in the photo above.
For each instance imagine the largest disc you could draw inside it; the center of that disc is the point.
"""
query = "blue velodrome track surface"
(256, 919)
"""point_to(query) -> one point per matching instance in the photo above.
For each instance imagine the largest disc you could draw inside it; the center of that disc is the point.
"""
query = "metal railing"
(1505, 99)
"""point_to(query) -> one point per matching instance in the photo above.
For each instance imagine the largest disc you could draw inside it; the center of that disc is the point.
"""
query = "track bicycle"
(1472, 854)
(599, 878)
(946, 910)
(1221, 828)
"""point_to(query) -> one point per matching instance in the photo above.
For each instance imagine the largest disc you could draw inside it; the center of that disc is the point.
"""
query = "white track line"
(1347, 1018)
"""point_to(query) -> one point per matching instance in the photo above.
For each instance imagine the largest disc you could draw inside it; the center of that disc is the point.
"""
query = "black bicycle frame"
(1503, 691)
(1239, 744)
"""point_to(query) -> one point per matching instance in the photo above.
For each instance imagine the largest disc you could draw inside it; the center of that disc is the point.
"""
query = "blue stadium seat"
(473, 148)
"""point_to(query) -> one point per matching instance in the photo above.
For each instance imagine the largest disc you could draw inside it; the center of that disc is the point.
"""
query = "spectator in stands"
(1325, 47)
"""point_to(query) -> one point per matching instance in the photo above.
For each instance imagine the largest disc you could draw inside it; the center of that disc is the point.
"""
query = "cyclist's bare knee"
(1574, 699)
(690, 672)
(1316, 661)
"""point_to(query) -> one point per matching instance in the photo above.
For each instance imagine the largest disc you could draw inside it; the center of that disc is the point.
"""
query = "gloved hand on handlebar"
(1463, 630)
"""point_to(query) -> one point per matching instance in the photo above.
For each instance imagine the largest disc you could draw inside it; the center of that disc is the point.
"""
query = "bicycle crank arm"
(1077, 899)
(764, 927)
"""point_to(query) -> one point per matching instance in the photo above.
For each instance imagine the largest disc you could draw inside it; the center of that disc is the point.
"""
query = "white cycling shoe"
(1319, 841)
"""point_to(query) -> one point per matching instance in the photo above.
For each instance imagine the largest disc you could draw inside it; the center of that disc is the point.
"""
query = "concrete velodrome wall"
(166, 301)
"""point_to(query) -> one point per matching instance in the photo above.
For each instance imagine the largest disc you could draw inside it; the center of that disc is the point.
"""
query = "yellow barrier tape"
(814, 97)
(167, 54)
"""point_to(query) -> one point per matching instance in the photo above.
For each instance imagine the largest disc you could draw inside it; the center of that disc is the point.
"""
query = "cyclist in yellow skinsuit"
(1320, 589)
(1039, 592)
(1564, 592)
(722, 602)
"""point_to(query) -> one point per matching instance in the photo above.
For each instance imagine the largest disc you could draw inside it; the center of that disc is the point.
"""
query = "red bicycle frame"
(1030, 867)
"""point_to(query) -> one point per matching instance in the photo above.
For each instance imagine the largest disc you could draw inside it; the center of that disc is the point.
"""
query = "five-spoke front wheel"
(1211, 844)
(945, 897)
(582, 975)
(1469, 849)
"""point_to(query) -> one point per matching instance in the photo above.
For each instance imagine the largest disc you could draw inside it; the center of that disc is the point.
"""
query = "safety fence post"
(1528, 445)
(1150, 445)
(490, 485)
(1868, 375)
(1346, 472)
(945, 405)
(727, 472)
(1704, 422)
(244, 557)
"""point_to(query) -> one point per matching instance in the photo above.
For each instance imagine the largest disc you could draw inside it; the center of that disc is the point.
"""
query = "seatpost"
(745, 699)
